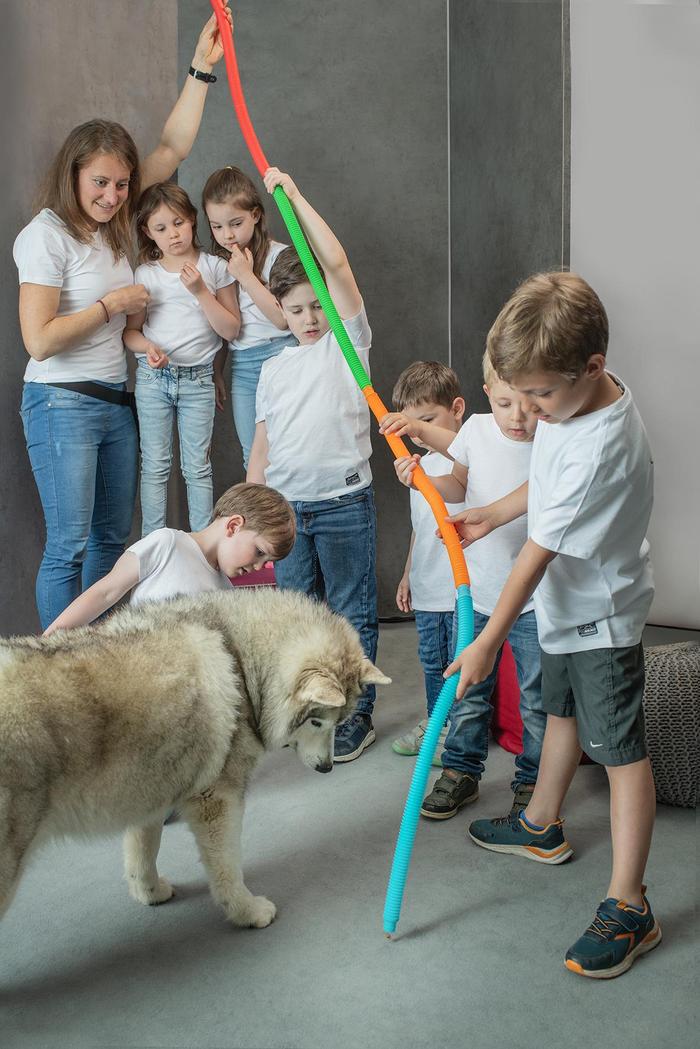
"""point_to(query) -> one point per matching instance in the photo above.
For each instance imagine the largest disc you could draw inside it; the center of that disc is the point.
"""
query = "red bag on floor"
(506, 723)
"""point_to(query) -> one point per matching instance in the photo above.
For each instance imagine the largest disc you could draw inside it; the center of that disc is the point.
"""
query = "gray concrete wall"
(64, 63)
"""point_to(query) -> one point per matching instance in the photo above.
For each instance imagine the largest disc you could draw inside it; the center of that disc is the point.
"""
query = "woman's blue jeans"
(187, 393)
(245, 373)
(334, 557)
(466, 746)
(435, 647)
(83, 453)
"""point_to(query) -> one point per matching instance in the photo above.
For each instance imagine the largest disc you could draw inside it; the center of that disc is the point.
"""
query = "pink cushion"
(265, 577)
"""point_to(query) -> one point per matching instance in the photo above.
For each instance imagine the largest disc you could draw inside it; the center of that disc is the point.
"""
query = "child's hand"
(274, 177)
(472, 524)
(474, 664)
(240, 265)
(403, 596)
(404, 469)
(400, 425)
(155, 356)
(219, 390)
(192, 279)
(209, 48)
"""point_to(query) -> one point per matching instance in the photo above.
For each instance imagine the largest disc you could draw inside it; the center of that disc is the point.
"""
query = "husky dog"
(168, 706)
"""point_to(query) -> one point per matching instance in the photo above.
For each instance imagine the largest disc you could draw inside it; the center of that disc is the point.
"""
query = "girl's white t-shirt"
(47, 254)
(590, 499)
(497, 466)
(430, 575)
(175, 321)
(316, 418)
(255, 327)
(171, 564)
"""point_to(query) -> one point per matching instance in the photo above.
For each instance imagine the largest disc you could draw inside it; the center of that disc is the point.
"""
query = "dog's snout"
(326, 767)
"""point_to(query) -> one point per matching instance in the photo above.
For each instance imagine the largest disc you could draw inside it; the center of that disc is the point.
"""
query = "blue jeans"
(466, 746)
(190, 393)
(334, 557)
(435, 646)
(245, 373)
(83, 453)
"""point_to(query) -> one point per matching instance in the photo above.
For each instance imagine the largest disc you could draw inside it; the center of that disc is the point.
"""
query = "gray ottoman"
(672, 718)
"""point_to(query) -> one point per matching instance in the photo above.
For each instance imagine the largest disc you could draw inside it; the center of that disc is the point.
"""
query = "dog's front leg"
(141, 846)
(216, 820)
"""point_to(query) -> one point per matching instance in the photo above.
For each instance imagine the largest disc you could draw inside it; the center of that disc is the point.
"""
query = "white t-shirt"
(590, 497)
(255, 327)
(175, 321)
(171, 564)
(47, 254)
(430, 576)
(317, 419)
(497, 466)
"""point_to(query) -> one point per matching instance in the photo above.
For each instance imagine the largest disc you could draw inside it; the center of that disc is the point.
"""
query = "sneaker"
(450, 792)
(353, 735)
(618, 935)
(410, 743)
(522, 796)
(511, 834)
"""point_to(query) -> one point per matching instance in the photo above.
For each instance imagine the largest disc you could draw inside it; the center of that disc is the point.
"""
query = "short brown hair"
(150, 200)
(553, 322)
(425, 382)
(288, 272)
(231, 183)
(264, 510)
(59, 190)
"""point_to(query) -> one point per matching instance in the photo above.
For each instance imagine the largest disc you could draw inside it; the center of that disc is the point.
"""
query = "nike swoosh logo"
(596, 744)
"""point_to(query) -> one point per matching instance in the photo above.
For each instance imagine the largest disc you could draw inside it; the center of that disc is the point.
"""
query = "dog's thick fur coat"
(168, 706)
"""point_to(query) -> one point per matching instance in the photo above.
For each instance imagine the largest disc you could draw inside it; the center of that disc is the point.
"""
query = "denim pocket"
(205, 379)
(146, 374)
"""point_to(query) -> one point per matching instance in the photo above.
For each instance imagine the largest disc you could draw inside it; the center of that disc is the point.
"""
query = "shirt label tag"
(587, 630)
(352, 479)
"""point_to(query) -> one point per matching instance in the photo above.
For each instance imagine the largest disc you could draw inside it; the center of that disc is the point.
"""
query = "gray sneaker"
(410, 743)
(450, 792)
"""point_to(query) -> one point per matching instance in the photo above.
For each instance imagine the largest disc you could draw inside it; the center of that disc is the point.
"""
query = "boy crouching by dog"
(252, 524)
(586, 560)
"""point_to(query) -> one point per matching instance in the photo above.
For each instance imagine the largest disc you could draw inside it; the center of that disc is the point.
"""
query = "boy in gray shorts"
(588, 502)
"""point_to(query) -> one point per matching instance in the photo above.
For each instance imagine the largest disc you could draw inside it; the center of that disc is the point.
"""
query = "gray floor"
(477, 961)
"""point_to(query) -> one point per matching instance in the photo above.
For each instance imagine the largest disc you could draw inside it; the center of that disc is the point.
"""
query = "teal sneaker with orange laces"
(616, 937)
(512, 833)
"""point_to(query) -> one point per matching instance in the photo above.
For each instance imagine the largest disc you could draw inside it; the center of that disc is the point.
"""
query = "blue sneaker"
(617, 936)
(511, 834)
(353, 735)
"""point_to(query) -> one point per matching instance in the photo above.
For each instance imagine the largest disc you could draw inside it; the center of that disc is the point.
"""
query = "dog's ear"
(371, 675)
(321, 690)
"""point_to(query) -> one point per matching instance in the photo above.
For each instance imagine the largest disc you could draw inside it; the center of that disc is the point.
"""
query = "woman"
(76, 291)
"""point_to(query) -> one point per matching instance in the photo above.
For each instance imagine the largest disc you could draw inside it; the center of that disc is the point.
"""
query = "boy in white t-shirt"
(490, 455)
(586, 559)
(428, 391)
(312, 443)
(251, 524)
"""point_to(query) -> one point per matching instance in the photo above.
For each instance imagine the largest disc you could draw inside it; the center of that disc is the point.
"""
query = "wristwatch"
(208, 78)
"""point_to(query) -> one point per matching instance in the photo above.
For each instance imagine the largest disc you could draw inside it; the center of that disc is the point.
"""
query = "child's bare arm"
(134, 340)
(437, 438)
(240, 266)
(258, 462)
(451, 487)
(475, 524)
(324, 244)
(221, 310)
(100, 596)
(403, 592)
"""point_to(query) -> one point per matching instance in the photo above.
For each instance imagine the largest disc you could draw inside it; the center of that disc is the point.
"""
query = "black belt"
(102, 393)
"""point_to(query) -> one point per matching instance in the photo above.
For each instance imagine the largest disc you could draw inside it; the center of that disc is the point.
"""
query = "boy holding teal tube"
(312, 443)
(586, 560)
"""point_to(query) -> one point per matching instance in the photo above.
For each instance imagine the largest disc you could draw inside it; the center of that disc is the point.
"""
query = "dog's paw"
(256, 913)
(151, 894)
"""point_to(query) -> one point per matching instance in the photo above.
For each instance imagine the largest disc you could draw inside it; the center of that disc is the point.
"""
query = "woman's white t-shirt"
(47, 254)
(255, 327)
(171, 564)
(316, 418)
(590, 498)
(497, 466)
(430, 576)
(175, 321)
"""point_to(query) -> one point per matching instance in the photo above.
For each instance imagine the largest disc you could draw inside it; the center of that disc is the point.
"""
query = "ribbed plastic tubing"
(465, 611)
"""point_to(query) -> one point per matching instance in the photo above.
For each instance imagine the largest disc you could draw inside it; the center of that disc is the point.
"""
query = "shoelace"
(605, 928)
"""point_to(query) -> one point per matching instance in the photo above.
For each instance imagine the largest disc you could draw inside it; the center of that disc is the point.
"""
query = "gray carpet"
(478, 958)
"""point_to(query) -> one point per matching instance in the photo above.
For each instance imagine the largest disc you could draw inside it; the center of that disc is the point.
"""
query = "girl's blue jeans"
(334, 557)
(188, 395)
(83, 453)
(466, 746)
(435, 646)
(245, 373)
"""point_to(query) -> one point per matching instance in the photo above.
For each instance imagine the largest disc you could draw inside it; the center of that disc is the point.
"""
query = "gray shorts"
(603, 689)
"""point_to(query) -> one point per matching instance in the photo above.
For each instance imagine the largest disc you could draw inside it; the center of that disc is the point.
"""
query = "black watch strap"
(208, 78)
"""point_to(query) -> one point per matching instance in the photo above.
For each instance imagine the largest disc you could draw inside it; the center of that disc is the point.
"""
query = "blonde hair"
(264, 511)
(425, 382)
(150, 200)
(231, 183)
(59, 191)
(491, 377)
(553, 322)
